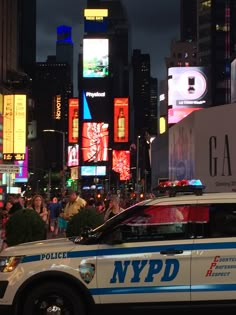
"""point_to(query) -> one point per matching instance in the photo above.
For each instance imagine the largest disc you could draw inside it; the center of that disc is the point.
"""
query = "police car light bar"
(171, 188)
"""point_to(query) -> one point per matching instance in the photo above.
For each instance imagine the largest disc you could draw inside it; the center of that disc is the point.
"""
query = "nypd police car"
(164, 252)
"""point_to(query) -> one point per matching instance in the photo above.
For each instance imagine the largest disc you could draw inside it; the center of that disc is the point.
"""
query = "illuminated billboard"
(73, 120)
(121, 163)
(96, 105)
(57, 107)
(22, 176)
(95, 20)
(95, 57)
(187, 91)
(121, 119)
(94, 142)
(73, 155)
(92, 170)
(14, 127)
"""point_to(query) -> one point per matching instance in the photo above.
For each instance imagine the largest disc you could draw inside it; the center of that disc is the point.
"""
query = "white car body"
(191, 270)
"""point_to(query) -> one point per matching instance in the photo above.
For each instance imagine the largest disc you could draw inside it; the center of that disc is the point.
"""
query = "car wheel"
(55, 299)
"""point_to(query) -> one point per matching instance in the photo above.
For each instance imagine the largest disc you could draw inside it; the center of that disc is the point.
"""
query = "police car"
(177, 251)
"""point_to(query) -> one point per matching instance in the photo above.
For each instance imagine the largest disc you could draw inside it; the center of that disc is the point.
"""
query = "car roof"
(219, 197)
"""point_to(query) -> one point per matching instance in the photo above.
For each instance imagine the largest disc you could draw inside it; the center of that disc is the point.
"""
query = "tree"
(85, 218)
(23, 226)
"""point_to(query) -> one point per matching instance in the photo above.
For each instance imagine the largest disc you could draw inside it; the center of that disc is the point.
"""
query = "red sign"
(121, 120)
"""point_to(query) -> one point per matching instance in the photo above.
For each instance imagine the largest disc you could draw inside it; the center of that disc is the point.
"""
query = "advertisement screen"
(95, 57)
(8, 124)
(94, 142)
(73, 155)
(14, 127)
(121, 119)
(73, 120)
(121, 163)
(92, 170)
(22, 176)
(177, 114)
(96, 106)
(187, 88)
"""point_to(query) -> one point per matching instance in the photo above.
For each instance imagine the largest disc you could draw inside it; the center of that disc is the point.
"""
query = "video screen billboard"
(96, 105)
(73, 155)
(92, 170)
(73, 120)
(121, 119)
(95, 57)
(94, 142)
(121, 163)
(187, 91)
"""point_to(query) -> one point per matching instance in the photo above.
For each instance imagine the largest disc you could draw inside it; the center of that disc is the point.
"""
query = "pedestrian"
(54, 210)
(114, 207)
(73, 206)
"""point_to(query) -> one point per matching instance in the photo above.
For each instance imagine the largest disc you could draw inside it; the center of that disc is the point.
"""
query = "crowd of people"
(58, 211)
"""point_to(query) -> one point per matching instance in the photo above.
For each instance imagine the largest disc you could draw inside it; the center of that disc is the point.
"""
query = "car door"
(147, 258)
(213, 272)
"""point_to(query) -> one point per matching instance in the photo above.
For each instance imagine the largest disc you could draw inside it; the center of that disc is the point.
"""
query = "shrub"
(23, 226)
(85, 218)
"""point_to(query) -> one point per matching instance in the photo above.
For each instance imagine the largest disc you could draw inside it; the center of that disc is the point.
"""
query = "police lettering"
(145, 270)
(59, 255)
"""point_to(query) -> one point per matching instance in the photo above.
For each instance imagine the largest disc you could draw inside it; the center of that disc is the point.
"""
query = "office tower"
(153, 106)
(27, 34)
(216, 44)
(64, 47)
(102, 80)
(141, 90)
(52, 87)
(188, 21)
(8, 42)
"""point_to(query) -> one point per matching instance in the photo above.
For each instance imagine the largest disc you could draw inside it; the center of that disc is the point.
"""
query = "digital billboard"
(22, 176)
(73, 120)
(14, 127)
(95, 57)
(95, 20)
(73, 155)
(96, 105)
(121, 163)
(92, 170)
(121, 119)
(94, 142)
(187, 91)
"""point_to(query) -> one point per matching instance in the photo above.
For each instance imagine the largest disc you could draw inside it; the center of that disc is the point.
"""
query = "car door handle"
(171, 252)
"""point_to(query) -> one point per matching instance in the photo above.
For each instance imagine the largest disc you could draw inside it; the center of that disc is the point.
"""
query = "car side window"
(222, 220)
(154, 223)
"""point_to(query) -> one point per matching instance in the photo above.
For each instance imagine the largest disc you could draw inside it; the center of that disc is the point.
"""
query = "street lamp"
(63, 153)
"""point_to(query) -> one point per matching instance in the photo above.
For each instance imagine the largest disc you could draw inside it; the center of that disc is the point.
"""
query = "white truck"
(203, 145)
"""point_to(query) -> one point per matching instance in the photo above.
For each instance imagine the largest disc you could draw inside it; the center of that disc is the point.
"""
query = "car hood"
(51, 245)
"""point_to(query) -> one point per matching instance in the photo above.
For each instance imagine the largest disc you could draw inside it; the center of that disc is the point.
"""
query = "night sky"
(154, 23)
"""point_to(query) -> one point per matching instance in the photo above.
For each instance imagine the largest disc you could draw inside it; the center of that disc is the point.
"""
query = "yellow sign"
(8, 121)
(20, 124)
(14, 125)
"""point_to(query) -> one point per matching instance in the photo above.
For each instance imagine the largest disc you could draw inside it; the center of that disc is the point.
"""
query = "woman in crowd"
(38, 205)
(114, 207)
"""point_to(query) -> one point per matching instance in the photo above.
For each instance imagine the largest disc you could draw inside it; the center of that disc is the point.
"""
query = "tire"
(53, 298)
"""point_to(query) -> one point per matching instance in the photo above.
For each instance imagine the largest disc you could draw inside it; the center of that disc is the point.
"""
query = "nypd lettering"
(59, 255)
(144, 270)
